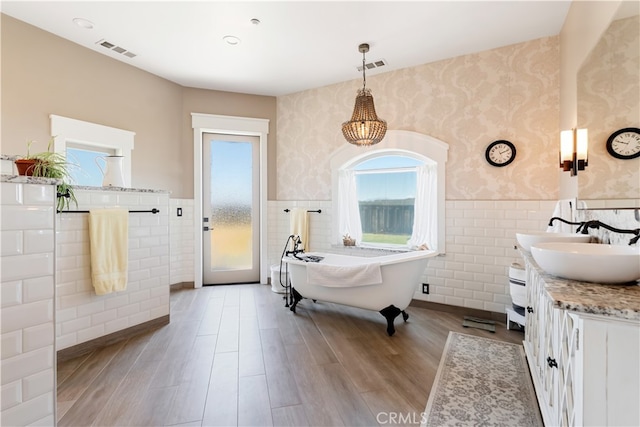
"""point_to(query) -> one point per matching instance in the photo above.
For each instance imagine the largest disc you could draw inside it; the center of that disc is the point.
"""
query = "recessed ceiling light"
(83, 23)
(232, 40)
(255, 21)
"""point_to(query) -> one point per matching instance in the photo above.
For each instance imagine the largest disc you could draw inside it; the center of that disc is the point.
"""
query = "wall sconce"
(574, 145)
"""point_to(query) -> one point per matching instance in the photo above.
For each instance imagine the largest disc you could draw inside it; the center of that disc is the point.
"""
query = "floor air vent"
(116, 49)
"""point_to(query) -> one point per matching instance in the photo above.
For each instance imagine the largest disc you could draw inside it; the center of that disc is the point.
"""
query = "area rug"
(481, 381)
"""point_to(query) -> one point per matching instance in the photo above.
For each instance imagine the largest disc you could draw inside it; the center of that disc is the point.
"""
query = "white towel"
(564, 210)
(299, 226)
(337, 276)
(109, 244)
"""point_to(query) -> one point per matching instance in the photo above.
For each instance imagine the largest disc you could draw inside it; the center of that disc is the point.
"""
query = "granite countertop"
(124, 189)
(20, 179)
(618, 301)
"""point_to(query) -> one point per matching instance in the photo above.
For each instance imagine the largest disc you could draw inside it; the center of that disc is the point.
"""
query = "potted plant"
(49, 164)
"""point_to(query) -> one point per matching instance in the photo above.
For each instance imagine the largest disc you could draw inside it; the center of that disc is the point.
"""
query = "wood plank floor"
(234, 355)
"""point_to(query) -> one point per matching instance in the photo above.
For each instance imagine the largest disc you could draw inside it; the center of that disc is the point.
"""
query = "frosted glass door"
(231, 209)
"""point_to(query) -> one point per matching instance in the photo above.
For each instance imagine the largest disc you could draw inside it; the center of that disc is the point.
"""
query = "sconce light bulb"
(582, 144)
(566, 145)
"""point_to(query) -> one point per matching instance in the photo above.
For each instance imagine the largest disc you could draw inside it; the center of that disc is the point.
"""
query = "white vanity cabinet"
(582, 343)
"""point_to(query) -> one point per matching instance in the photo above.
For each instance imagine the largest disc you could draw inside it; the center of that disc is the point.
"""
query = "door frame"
(233, 125)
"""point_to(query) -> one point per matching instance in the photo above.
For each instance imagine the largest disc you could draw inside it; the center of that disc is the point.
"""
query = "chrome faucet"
(597, 224)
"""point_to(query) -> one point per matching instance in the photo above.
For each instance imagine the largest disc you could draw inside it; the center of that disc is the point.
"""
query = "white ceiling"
(298, 45)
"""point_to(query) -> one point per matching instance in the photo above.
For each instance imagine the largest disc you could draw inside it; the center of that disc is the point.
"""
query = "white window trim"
(399, 142)
(211, 123)
(65, 130)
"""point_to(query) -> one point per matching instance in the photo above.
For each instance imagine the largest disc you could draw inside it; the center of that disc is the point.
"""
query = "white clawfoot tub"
(388, 288)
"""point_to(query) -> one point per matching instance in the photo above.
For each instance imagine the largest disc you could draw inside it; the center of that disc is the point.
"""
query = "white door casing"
(232, 125)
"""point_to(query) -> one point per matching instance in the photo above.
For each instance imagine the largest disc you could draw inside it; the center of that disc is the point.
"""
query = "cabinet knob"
(529, 309)
(552, 362)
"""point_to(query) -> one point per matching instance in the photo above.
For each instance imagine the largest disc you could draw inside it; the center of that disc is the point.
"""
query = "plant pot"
(25, 166)
(349, 242)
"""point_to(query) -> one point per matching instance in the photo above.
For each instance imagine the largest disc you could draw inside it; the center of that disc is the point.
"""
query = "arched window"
(391, 195)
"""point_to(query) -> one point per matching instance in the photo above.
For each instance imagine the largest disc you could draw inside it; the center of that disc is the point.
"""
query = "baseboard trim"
(91, 345)
(463, 311)
(182, 285)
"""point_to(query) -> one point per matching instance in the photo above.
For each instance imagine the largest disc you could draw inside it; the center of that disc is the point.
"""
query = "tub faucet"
(597, 224)
(296, 246)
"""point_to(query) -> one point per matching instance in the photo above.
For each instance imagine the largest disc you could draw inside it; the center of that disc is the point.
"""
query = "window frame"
(92, 135)
(398, 142)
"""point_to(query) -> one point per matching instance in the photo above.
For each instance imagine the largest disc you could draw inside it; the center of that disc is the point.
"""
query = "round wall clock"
(624, 143)
(500, 153)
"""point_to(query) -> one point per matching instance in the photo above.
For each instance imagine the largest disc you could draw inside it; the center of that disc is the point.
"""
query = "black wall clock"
(500, 153)
(624, 143)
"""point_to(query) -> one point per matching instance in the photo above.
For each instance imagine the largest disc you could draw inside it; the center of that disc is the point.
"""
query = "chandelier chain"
(364, 75)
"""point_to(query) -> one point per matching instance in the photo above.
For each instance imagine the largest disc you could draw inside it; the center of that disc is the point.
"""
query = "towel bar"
(316, 211)
(153, 211)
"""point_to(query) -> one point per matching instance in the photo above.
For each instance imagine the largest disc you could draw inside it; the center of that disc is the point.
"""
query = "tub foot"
(405, 315)
(390, 313)
(296, 299)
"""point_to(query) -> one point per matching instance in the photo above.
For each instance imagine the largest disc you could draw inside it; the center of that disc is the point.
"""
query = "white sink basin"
(589, 262)
(526, 240)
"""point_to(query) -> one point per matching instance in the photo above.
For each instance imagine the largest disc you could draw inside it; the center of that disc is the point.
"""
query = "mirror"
(608, 99)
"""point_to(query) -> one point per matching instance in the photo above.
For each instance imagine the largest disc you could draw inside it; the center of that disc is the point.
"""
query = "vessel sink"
(526, 240)
(589, 262)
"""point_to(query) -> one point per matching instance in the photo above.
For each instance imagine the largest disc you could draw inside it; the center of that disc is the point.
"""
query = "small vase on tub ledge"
(348, 241)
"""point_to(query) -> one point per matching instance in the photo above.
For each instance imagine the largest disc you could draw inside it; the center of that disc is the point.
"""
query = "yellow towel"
(299, 225)
(109, 242)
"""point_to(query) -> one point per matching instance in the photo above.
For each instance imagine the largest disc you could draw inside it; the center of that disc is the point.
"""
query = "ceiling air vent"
(375, 64)
(116, 49)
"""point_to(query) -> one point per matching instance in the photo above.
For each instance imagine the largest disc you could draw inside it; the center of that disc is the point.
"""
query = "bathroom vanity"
(582, 342)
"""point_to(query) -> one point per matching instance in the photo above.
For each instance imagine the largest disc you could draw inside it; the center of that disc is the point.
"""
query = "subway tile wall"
(182, 241)
(81, 314)
(480, 241)
(28, 325)
(473, 273)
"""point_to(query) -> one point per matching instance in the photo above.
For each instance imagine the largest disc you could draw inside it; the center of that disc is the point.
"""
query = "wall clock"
(500, 153)
(624, 143)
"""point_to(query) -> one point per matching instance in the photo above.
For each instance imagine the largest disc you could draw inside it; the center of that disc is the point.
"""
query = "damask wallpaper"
(608, 100)
(468, 102)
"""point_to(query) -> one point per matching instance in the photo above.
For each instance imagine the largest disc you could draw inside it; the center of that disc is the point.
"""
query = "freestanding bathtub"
(388, 282)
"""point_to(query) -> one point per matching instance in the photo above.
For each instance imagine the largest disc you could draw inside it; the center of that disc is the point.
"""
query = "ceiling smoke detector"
(117, 49)
(371, 65)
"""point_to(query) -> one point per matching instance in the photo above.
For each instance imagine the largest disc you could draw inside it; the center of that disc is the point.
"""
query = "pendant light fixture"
(364, 128)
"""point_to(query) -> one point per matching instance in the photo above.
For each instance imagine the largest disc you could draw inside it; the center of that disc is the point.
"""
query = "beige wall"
(43, 74)
(507, 93)
(234, 104)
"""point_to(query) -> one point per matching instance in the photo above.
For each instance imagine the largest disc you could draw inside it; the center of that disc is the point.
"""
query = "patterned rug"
(482, 382)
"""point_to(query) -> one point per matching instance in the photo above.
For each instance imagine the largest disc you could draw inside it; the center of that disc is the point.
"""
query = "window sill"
(367, 250)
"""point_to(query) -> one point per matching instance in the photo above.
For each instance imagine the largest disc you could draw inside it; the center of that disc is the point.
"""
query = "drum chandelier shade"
(364, 128)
